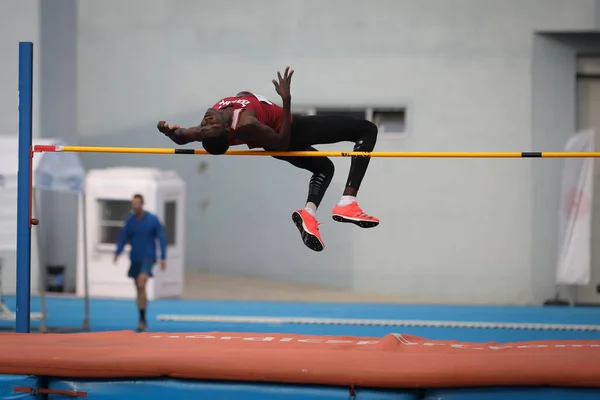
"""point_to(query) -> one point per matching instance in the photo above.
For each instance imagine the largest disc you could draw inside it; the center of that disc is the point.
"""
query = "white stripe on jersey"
(236, 118)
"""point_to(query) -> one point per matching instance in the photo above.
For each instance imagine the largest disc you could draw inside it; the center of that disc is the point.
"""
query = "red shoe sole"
(361, 223)
(310, 240)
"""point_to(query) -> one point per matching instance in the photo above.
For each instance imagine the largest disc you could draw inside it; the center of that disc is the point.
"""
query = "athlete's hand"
(163, 264)
(170, 131)
(282, 87)
(167, 129)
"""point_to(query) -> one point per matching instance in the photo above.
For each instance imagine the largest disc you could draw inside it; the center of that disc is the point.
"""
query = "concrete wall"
(452, 230)
(553, 121)
(471, 73)
(58, 119)
(20, 22)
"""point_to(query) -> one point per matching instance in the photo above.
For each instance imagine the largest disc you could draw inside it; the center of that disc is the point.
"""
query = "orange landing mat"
(394, 361)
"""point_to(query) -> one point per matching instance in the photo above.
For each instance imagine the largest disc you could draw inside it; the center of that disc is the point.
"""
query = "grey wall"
(472, 73)
(19, 23)
(452, 230)
(58, 119)
(553, 121)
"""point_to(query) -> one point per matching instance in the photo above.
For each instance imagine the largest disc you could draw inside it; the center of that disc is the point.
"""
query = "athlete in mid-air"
(255, 121)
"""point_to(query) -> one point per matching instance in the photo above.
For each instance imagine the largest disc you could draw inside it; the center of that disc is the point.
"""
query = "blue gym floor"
(110, 315)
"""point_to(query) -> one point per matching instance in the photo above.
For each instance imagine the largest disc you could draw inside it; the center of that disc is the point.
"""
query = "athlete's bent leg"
(348, 210)
(305, 219)
(310, 130)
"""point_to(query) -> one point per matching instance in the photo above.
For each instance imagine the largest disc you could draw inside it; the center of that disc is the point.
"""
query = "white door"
(588, 117)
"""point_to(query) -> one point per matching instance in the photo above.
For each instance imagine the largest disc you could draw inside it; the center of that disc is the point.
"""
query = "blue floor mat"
(192, 390)
(108, 315)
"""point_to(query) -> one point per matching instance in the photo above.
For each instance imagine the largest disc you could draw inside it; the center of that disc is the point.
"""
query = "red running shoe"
(352, 213)
(309, 229)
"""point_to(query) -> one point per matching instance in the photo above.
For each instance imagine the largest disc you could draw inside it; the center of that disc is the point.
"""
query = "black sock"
(142, 315)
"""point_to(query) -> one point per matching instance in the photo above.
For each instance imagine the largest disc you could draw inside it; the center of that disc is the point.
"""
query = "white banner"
(575, 214)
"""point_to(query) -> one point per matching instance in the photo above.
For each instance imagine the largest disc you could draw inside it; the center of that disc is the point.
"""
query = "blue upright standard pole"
(24, 187)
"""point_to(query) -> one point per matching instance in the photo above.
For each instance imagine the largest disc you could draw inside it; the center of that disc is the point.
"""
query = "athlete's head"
(215, 132)
(217, 144)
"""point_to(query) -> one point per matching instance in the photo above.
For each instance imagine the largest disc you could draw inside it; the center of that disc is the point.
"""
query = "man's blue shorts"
(140, 267)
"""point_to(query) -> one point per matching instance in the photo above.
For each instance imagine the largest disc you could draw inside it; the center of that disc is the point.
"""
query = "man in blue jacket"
(141, 230)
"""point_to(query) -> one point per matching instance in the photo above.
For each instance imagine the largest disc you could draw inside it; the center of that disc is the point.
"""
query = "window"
(170, 221)
(301, 111)
(356, 113)
(389, 121)
(113, 214)
(588, 66)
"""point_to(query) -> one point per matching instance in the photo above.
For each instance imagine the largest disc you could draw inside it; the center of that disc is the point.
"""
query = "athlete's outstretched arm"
(180, 135)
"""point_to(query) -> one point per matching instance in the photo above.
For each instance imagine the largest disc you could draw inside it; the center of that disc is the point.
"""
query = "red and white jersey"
(266, 112)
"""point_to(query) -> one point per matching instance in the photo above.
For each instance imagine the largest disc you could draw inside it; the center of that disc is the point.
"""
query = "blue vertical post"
(24, 187)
